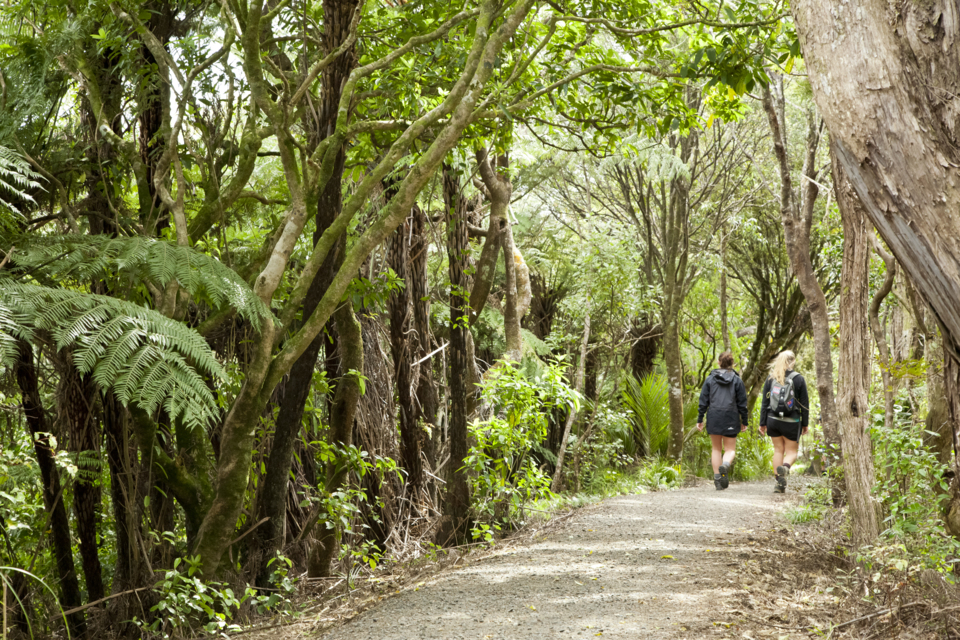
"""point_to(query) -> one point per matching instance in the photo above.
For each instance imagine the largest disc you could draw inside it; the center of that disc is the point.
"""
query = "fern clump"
(147, 359)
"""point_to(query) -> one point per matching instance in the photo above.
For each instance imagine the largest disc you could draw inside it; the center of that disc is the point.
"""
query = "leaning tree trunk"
(854, 371)
(886, 79)
(797, 220)
(457, 505)
(29, 384)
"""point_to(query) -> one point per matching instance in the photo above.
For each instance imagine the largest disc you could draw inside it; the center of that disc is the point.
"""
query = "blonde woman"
(784, 414)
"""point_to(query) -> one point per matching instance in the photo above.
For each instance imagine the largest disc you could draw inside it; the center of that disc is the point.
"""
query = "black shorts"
(788, 430)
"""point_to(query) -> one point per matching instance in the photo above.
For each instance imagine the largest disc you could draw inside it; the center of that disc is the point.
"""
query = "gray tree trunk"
(854, 372)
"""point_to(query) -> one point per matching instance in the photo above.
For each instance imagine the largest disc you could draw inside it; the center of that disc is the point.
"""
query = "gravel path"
(657, 565)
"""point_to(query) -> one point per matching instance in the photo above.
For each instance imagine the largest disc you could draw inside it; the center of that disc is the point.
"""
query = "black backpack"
(783, 400)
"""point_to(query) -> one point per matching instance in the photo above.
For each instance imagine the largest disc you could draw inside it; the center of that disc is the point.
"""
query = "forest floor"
(689, 563)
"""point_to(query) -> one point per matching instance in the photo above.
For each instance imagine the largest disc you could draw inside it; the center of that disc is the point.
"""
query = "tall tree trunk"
(724, 326)
(77, 395)
(797, 220)
(854, 371)
(29, 383)
(400, 330)
(674, 362)
(886, 360)
(272, 499)
(572, 416)
(342, 414)
(457, 505)
(428, 400)
(885, 77)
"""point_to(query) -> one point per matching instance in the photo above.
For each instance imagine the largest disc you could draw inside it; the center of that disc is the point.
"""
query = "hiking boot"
(782, 472)
(717, 483)
(778, 489)
(724, 476)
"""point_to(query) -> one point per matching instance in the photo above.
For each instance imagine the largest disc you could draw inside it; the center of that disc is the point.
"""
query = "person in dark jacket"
(785, 428)
(723, 400)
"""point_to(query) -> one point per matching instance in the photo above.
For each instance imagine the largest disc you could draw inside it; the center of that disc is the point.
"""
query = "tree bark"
(400, 330)
(885, 79)
(854, 371)
(511, 309)
(499, 189)
(797, 219)
(29, 384)
(457, 505)
(272, 501)
(672, 358)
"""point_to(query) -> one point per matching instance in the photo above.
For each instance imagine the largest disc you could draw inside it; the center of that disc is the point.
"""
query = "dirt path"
(659, 565)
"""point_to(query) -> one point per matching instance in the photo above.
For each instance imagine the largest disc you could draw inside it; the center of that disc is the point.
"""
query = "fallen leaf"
(666, 557)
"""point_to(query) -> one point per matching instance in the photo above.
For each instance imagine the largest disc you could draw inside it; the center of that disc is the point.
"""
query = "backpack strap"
(791, 376)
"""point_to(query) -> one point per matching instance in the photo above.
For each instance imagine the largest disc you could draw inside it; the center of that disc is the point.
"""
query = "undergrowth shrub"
(189, 606)
(911, 487)
(504, 473)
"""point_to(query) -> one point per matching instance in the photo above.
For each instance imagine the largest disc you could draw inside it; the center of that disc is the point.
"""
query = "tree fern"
(86, 258)
(147, 359)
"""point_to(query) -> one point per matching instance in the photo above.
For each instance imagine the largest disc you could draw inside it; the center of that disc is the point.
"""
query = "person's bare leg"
(778, 451)
(791, 448)
(716, 456)
(729, 450)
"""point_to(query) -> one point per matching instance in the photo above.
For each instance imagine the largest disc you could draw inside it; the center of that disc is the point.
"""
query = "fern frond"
(16, 177)
(86, 258)
(146, 358)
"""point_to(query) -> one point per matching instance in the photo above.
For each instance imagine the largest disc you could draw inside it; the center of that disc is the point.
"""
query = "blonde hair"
(781, 364)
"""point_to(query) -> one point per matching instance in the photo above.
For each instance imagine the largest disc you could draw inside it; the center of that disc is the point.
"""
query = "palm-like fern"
(647, 401)
(87, 258)
(147, 359)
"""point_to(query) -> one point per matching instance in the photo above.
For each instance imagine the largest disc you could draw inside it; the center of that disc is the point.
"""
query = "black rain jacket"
(724, 398)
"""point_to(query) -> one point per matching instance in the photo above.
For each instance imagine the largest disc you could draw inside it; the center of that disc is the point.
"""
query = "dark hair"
(726, 360)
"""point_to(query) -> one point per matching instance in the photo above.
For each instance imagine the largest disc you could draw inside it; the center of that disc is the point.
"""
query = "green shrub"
(504, 474)
(912, 488)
